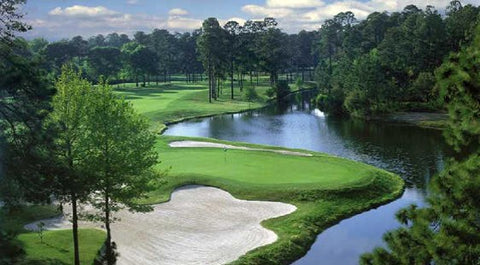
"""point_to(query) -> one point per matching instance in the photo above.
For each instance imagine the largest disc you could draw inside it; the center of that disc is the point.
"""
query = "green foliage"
(250, 94)
(388, 59)
(421, 90)
(448, 230)
(11, 20)
(459, 85)
(70, 110)
(104, 61)
(24, 104)
(369, 92)
(121, 150)
(332, 103)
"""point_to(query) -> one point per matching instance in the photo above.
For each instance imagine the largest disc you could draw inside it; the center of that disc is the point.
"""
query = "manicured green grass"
(57, 246)
(176, 101)
(324, 188)
(262, 167)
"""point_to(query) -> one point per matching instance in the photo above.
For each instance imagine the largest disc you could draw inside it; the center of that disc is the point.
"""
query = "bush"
(333, 103)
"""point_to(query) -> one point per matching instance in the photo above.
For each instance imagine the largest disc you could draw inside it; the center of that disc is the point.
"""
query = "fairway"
(176, 101)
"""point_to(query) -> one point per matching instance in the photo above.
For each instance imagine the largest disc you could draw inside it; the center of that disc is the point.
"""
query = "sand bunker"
(218, 145)
(199, 225)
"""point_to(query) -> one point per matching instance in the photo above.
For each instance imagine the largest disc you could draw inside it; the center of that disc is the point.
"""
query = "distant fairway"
(175, 101)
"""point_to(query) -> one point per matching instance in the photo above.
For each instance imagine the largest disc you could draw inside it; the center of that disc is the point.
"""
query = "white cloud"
(178, 12)
(294, 3)
(263, 11)
(239, 20)
(132, 2)
(183, 23)
(83, 11)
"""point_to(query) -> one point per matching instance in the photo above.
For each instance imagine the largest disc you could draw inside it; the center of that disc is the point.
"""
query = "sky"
(59, 19)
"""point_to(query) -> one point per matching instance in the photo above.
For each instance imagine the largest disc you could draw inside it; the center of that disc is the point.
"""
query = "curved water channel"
(416, 154)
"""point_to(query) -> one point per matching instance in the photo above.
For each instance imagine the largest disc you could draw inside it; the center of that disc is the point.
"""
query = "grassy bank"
(324, 188)
(434, 120)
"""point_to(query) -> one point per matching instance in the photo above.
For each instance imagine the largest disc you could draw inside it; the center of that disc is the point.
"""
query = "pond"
(416, 154)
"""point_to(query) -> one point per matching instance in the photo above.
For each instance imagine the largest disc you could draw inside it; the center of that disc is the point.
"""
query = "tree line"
(383, 63)
(215, 52)
(387, 61)
(447, 229)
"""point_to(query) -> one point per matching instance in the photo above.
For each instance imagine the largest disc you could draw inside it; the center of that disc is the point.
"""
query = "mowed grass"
(325, 189)
(57, 246)
(176, 101)
(263, 167)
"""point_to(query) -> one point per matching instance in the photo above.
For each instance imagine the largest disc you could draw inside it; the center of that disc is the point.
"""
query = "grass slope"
(325, 189)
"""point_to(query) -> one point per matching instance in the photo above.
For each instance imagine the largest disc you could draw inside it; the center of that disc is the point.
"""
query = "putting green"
(262, 167)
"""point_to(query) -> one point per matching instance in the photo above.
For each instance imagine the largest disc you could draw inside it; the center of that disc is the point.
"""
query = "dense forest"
(381, 64)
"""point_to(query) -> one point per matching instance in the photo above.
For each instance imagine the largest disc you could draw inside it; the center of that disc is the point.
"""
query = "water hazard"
(416, 154)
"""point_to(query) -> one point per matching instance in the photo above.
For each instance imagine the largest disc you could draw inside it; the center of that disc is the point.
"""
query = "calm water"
(414, 153)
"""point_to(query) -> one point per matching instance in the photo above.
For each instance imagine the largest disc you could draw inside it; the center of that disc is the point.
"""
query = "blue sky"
(57, 19)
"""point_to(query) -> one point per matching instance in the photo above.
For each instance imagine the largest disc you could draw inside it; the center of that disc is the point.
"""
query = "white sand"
(199, 225)
(227, 146)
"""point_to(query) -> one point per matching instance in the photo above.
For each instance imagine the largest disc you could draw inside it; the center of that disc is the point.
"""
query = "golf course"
(239, 132)
(323, 188)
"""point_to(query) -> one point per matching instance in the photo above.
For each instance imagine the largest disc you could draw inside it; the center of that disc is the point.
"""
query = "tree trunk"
(76, 253)
(109, 249)
(231, 79)
(209, 85)
(241, 81)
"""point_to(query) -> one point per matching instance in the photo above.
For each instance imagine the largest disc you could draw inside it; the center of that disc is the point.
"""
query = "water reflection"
(416, 154)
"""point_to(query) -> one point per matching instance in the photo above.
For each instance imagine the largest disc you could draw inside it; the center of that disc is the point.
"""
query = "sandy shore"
(227, 146)
(199, 225)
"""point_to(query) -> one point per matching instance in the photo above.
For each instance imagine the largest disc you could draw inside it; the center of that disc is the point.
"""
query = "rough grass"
(57, 246)
(325, 189)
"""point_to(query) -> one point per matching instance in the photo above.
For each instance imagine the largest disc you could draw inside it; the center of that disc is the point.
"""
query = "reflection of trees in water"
(414, 153)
